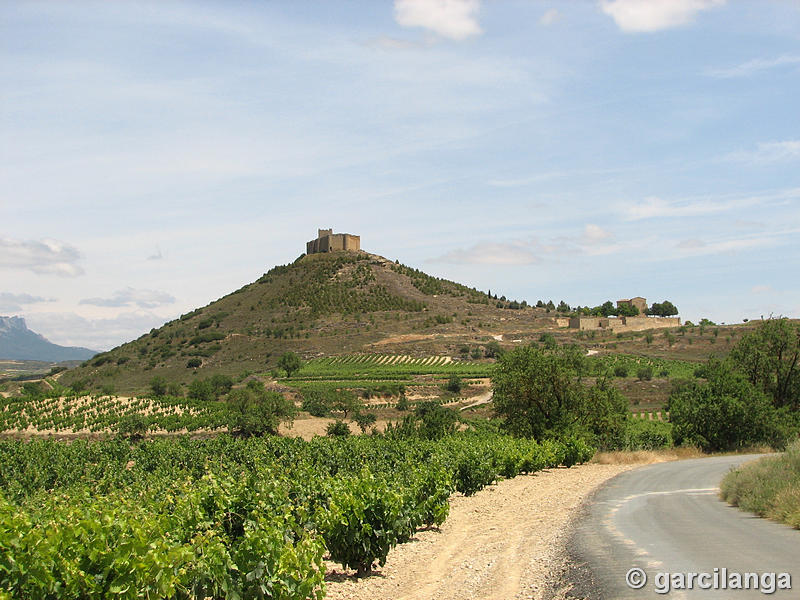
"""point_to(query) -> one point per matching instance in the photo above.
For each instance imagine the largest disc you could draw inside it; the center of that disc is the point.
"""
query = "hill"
(322, 304)
(17, 342)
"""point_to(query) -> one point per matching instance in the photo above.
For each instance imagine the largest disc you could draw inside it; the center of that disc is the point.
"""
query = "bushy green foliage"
(255, 411)
(133, 426)
(290, 363)
(644, 373)
(435, 421)
(338, 428)
(230, 517)
(158, 385)
(364, 420)
(539, 394)
(726, 412)
(454, 384)
(641, 434)
(769, 357)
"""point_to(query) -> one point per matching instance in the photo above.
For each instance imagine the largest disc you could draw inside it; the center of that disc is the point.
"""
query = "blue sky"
(156, 156)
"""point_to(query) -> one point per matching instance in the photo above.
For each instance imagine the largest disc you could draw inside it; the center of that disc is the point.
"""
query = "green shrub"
(726, 412)
(254, 411)
(641, 434)
(193, 363)
(454, 384)
(621, 371)
(644, 373)
(338, 429)
(363, 521)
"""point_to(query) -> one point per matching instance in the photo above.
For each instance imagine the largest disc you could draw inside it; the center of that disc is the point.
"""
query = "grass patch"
(768, 487)
(646, 457)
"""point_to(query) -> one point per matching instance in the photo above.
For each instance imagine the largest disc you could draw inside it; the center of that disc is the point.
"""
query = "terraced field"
(389, 366)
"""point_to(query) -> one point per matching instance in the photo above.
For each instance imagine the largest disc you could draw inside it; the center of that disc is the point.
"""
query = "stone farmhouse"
(638, 302)
(327, 241)
(637, 323)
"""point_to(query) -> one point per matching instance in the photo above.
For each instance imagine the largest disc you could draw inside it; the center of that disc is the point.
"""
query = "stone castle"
(637, 323)
(327, 241)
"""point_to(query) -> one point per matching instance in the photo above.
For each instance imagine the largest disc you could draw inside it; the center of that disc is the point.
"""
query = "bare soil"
(505, 542)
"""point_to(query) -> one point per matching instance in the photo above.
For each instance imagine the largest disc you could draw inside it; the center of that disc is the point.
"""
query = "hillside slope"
(322, 304)
(17, 342)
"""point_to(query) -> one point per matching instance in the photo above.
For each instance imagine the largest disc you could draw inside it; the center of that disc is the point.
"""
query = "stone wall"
(623, 323)
(331, 242)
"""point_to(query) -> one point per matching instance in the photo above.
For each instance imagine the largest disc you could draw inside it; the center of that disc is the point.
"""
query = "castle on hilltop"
(327, 241)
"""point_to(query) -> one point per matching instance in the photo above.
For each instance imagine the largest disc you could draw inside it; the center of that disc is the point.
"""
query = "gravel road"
(506, 542)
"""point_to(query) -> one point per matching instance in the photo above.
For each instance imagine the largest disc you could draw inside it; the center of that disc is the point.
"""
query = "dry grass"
(645, 457)
(769, 487)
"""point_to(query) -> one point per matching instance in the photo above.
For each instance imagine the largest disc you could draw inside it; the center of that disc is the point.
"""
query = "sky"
(155, 156)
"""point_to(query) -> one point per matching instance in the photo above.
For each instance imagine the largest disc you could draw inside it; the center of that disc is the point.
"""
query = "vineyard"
(390, 367)
(631, 364)
(101, 414)
(232, 518)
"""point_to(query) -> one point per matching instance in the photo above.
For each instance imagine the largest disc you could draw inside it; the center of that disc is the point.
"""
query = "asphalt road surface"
(668, 518)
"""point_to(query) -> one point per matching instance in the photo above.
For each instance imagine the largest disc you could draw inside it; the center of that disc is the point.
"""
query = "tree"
(726, 412)
(548, 340)
(200, 389)
(454, 384)
(563, 307)
(607, 309)
(338, 429)
(364, 420)
(346, 403)
(769, 357)
(627, 310)
(255, 411)
(158, 385)
(220, 384)
(434, 420)
(132, 426)
(663, 309)
(290, 363)
(539, 392)
(492, 349)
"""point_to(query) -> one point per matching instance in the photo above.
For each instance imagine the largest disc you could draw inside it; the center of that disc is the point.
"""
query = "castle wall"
(330, 242)
(623, 323)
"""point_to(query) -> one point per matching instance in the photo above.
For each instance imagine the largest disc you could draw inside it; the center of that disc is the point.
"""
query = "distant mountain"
(17, 342)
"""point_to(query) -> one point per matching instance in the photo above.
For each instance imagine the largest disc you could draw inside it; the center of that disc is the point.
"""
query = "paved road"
(668, 518)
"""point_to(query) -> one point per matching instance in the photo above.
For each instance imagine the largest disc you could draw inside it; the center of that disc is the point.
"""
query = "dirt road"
(508, 541)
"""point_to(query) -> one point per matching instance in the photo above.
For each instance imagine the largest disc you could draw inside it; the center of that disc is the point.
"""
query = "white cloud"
(454, 19)
(654, 15)
(130, 297)
(592, 241)
(44, 257)
(549, 17)
(769, 152)
(594, 234)
(490, 253)
(14, 302)
(751, 67)
(654, 207)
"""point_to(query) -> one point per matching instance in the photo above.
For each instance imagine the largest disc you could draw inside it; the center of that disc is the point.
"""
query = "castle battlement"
(327, 241)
